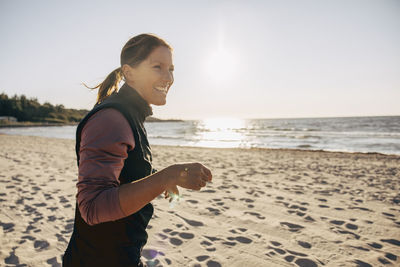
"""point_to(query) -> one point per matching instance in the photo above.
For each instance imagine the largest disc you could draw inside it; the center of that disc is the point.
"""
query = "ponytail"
(108, 86)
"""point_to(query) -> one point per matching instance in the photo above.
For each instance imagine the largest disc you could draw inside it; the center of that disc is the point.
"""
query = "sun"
(221, 65)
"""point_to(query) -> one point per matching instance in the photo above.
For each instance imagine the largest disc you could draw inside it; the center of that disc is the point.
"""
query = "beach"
(264, 207)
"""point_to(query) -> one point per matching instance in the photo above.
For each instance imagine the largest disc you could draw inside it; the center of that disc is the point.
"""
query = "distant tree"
(25, 109)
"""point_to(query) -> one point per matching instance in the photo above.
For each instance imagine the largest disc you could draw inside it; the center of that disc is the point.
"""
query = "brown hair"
(136, 50)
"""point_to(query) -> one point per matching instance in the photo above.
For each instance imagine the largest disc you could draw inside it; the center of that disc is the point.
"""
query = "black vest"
(116, 243)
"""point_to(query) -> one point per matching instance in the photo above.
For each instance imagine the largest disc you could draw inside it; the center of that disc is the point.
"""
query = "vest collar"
(137, 100)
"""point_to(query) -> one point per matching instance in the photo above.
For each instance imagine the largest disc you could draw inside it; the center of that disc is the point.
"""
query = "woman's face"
(153, 77)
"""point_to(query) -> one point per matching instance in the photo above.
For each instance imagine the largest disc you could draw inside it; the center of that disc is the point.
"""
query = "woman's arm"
(106, 140)
(102, 153)
(136, 195)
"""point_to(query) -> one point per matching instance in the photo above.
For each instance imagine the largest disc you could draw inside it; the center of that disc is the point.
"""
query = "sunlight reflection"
(221, 132)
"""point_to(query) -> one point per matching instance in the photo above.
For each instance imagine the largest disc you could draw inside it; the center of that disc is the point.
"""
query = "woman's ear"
(127, 72)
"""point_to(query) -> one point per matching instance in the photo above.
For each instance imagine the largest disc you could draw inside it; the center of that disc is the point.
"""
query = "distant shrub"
(25, 109)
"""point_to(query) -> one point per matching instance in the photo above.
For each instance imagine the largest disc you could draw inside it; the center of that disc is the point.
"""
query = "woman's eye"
(157, 67)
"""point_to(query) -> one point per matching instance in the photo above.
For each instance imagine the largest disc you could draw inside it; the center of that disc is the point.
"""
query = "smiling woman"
(116, 180)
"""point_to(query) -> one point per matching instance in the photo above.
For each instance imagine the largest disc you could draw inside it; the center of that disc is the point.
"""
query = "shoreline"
(44, 124)
(245, 149)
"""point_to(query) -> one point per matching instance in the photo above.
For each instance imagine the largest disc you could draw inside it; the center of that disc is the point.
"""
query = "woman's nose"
(169, 77)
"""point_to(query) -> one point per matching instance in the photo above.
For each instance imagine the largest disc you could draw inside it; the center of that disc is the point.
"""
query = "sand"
(263, 208)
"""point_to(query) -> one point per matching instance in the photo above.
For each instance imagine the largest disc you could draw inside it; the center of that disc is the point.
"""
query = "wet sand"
(263, 208)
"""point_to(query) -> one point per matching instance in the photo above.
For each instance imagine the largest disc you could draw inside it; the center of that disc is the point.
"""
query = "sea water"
(349, 134)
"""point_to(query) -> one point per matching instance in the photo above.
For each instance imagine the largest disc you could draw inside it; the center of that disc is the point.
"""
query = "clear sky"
(246, 59)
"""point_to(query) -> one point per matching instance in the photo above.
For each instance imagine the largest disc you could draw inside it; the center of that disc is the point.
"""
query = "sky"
(241, 59)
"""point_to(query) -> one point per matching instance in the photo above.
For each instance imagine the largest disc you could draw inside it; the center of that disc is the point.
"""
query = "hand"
(190, 175)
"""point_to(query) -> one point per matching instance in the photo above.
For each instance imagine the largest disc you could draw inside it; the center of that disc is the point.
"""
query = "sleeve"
(106, 140)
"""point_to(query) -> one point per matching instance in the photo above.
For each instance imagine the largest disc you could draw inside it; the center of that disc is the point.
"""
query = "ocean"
(347, 134)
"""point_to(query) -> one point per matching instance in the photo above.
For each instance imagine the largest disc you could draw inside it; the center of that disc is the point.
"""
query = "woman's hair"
(136, 50)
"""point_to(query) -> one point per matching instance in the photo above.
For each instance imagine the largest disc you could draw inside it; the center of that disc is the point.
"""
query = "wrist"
(171, 175)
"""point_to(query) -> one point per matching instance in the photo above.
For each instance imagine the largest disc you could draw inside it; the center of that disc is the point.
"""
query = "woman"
(116, 180)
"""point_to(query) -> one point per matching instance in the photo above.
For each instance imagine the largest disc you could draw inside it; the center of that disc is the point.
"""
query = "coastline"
(234, 148)
(265, 207)
(45, 124)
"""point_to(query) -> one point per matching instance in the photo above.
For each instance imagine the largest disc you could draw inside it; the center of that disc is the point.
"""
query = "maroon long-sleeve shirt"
(106, 140)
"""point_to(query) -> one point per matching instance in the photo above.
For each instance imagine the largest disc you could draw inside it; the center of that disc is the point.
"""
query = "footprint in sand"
(12, 259)
(242, 239)
(207, 191)
(302, 262)
(185, 235)
(175, 241)
(389, 216)
(215, 212)
(304, 244)
(208, 245)
(362, 263)
(345, 232)
(41, 244)
(7, 227)
(212, 263)
(258, 215)
(351, 226)
(296, 209)
(391, 256)
(150, 254)
(192, 201)
(275, 243)
(360, 248)
(202, 258)
(60, 238)
(190, 222)
(291, 226)
(247, 200)
(53, 262)
(391, 241)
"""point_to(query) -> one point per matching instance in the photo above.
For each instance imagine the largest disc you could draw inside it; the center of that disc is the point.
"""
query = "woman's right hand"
(189, 175)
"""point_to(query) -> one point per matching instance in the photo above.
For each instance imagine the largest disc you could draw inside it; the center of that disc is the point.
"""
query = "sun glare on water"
(221, 132)
(223, 124)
